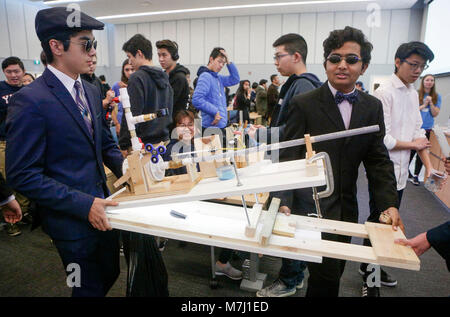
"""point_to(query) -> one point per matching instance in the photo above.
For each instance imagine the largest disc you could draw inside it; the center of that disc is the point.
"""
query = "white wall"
(248, 39)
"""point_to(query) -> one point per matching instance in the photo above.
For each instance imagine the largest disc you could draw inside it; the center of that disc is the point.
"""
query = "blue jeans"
(291, 272)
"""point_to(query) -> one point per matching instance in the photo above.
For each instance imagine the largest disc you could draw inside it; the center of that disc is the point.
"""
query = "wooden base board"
(171, 185)
(224, 226)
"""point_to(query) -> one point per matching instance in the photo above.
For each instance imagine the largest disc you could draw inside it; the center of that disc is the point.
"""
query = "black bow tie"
(351, 98)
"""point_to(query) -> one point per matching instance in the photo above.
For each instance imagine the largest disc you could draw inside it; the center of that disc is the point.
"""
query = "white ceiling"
(101, 8)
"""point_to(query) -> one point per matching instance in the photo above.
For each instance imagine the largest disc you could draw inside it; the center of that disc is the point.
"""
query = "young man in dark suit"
(58, 142)
(337, 106)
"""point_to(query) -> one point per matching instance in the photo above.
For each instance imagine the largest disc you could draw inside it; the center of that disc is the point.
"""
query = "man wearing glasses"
(403, 123)
(58, 142)
(336, 106)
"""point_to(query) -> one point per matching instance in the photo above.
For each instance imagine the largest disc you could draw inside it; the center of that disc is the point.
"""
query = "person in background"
(168, 57)
(291, 51)
(116, 115)
(243, 100)
(403, 124)
(209, 94)
(14, 71)
(253, 97)
(430, 105)
(105, 85)
(27, 79)
(261, 100)
(360, 86)
(272, 96)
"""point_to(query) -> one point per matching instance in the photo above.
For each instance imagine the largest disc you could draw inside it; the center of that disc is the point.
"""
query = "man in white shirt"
(403, 123)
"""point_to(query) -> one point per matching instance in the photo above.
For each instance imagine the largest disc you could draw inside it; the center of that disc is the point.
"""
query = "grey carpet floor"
(30, 266)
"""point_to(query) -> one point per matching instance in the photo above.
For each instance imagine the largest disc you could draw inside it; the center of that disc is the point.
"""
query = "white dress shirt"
(402, 120)
(345, 107)
(68, 82)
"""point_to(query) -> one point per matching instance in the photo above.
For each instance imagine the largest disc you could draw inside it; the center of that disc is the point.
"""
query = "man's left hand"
(393, 213)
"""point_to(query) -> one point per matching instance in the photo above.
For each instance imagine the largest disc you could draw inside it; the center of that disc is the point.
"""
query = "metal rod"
(280, 145)
(244, 204)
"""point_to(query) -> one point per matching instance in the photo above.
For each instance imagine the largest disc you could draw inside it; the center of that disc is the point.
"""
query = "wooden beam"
(331, 226)
(269, 222)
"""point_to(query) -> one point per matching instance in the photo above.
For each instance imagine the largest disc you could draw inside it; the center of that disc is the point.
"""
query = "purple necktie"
(83, 107)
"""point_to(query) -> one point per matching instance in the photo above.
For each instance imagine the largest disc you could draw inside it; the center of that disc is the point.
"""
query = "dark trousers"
(418, 164)
(98, 259)
(324, 278)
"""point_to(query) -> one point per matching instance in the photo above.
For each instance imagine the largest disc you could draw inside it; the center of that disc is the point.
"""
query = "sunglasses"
(88, 44)
(349, 59)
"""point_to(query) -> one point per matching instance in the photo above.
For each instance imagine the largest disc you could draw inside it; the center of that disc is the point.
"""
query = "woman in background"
(430, 104)
(243, 95)
(27, 79)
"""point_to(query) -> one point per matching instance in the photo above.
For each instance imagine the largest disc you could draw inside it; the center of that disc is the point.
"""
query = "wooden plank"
(255, 179)
(253, 215)
(382, 239)
(331, 226)
(284, 226)
(223, 225)
(269, 221)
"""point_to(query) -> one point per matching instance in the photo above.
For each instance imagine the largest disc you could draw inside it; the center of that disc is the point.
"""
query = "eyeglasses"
(349, 59)
(278, 57)
(88, 44)
(415, 66)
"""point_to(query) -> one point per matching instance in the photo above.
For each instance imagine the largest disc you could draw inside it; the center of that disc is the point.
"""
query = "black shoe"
(416, 181)
(370, 291)
(13, 230)
(385, 279)
(27, 219)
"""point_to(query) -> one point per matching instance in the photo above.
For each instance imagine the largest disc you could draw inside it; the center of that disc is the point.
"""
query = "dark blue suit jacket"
(52, 159)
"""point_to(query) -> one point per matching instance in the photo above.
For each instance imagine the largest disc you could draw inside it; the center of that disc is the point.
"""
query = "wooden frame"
(223, 226)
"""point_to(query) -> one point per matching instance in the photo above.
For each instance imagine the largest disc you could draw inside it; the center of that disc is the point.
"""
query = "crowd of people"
(63, 127)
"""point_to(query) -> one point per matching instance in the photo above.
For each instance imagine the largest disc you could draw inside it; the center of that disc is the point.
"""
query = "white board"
(210, 224)
(258, 178)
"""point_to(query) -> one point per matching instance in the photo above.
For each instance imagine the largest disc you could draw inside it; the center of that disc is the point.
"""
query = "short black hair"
(272, 77)
(216, 52)
(407, 49)
(63, 36)
(254, 85)
(102, 77)
(262, 81)
(12, 60)
(293, 43)
(139, 42)
(170, 46)
(338, 38)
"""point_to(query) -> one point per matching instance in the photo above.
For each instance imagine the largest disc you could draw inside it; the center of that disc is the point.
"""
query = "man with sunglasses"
(58, 142)
(337, 106)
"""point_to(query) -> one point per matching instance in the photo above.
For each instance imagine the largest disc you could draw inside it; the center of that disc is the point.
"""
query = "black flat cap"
(57, 19)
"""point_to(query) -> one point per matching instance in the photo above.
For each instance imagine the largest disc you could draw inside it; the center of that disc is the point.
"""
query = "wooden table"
(444, 194)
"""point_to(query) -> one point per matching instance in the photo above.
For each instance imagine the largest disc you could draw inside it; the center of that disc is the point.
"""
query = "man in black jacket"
(168, 56)
(337, 106)
(149, 90)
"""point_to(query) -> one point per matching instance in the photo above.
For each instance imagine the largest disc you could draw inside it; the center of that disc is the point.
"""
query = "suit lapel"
(60, 92)
(329, 107)
(357, 113)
